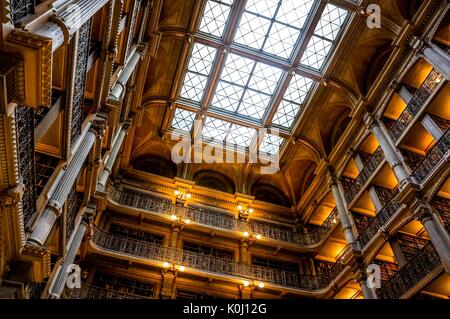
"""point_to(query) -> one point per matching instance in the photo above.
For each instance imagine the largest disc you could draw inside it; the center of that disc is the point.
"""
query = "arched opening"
(270, 194)
(155, 165)
(214, 180)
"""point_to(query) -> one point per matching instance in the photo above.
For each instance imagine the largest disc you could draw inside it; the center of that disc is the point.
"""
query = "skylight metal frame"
(291, 67)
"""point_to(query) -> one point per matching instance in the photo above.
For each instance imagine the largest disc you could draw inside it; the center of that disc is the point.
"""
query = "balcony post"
(440, 243)
(391, 156)
(113, 155)
(54, 207)
(243, 252)
(341, 205)
(168, 284)
(59, 283)
(174, 236)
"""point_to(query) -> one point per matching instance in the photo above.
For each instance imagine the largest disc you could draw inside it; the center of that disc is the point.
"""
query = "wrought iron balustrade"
(425, 262)
(364, 175)
(19, 9)
(379, 221)
(26, 158)
(210, 264)
(428, 87)
(92, 292)
(221, 219)
(434, 158)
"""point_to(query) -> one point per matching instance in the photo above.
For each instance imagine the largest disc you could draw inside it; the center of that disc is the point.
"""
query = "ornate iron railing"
(25, 148)
(379, 221)
(428, 87)
(210, 264)
(425, 262)
(92, 292)
(221, 219)
(364, 175)
(80, 79)
(19, 9)
(434, 158)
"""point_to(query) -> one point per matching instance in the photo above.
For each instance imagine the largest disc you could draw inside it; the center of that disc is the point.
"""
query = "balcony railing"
(424, 263)
(210, 264)
(434, 158)
(428, 87)
(379, 221)
(365, 174)
(222, 220)
(92, 292)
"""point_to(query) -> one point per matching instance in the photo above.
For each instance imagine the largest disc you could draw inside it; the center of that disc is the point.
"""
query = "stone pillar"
(113, 155)
(440, 243)
(341, 206)
(117, 92)
(388, 150)
(53, 209)
(432, 127)
(246, 292)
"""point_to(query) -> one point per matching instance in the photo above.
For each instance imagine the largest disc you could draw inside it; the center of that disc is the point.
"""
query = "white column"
(440, 243)
(53, 210)
(388, 150)
(372, 192)
(113, 155)
(438, 59)
(341, 206)
(119, 88)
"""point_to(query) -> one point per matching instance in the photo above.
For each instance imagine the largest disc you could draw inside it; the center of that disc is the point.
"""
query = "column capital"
(99, 127)
(331, 177)
(370, 121)
(423, 213)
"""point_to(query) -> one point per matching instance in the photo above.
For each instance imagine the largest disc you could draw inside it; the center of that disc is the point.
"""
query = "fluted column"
(437, 58)
(53, 209)
(341, 206)
(243, 252)
(388, 150)
(118, 90)
(113, 155)
(174, 236)
(68, 19)
(440, 243)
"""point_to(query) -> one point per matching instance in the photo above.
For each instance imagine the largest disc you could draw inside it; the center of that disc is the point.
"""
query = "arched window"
(270, 194)
(214, 180)
(155, 165)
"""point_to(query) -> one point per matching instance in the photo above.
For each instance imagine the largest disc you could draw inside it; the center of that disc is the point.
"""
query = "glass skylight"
(324, 36)
(268, 43)
(183, 120)
(199, 68)
(246, 86)
(215, 17)
(273, 26)
(293, 101)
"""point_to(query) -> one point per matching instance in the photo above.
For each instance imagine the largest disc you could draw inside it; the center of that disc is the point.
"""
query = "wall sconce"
(181, 196)
(169, 266)
(174, 218)
(244, 211)
(246, 234)
(259, 284)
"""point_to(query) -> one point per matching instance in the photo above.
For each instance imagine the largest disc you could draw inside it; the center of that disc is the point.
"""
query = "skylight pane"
(286, 114)
(252, 30)
(281, 40)
(215, 128)
(271, 144)
(199, 68)
(265, 8)
(298, 89)
(215, 17)
(254, 104)
(265, 78)
(227, 96)
(240, 135)
(316, 52)
(183, 120)
(294, 12)
(237, 69)
(331, 21)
